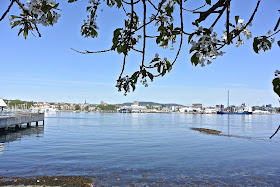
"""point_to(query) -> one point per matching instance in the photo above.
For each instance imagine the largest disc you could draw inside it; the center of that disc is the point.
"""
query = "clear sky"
(45, 69)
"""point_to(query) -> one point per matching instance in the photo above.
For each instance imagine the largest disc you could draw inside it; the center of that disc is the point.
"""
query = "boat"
(225, 112)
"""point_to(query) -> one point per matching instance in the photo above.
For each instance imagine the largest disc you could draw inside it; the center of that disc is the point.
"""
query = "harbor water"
(147, 149)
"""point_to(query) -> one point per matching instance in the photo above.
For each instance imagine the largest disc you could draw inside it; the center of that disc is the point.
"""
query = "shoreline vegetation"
(135, 107)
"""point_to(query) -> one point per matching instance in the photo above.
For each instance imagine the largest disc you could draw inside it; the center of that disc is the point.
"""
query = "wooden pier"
(18, 120)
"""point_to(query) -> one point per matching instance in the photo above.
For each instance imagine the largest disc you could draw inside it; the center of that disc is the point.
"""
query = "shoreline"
(146, 180)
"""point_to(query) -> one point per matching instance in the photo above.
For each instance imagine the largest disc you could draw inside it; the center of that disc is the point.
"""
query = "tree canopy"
(161, 22)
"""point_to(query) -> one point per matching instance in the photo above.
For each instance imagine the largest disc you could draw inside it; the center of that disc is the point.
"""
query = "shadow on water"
(17, 135)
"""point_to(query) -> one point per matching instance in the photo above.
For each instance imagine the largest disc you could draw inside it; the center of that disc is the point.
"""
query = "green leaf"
(158, 68)
(255, 45)
(20, 31)
(268, 43)
(207, 31)
(25, 33)
(71, 1)
(208, 2)
(56, 5)
(192, 49)
(136, 74)
(161, 28)
(276, 86)
(230, 24)
(236, 19)
(159, 38)
(194, 59)
(190, 37)
(119, 3)
(16, 23)
(89, 7)
(278, 43)
(151, 76)
(50, 18)
(195, 23)
(133, 87)
(168, 65)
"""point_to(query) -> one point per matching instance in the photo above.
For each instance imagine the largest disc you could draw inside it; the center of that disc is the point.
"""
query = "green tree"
(205, 43)
(107, 107)
(86, 108)
(77, 107)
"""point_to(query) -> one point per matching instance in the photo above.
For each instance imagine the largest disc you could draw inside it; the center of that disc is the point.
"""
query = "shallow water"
(144, 148)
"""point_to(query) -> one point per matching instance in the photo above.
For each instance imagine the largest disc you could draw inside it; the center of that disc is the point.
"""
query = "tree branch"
(204, 15)
(193, 11)
(124, 59)
(152, 4)
(228, 12)
(161, 3)
(221, 13)
(137, 50)
(182, 27)
(275, 132)
(144, 31)
(250, 20)
(131, 3)
(5, 13)
(88, 52)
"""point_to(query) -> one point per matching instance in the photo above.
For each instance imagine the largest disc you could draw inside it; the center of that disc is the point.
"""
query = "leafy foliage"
(276, 83)
(77, 107)
(205, 44)
(107, 107)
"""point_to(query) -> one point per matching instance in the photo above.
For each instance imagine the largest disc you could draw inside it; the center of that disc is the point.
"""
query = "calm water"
(144, 148)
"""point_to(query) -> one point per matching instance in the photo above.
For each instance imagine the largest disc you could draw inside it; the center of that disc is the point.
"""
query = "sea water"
(143, 149)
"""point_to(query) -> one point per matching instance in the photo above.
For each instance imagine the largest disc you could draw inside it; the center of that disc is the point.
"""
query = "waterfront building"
(2, 105)
(197, 105)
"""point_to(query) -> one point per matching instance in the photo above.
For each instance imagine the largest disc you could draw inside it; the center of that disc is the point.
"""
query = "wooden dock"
(16, 121)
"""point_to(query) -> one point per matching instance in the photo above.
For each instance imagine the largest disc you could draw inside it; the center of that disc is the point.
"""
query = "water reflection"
(18, 135)
(1, 148)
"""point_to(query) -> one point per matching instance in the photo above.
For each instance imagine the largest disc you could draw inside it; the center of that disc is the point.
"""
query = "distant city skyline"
(46, 69)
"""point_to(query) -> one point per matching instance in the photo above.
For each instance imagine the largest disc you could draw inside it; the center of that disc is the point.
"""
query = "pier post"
(37, 123)
(43, 122)
(28, 125)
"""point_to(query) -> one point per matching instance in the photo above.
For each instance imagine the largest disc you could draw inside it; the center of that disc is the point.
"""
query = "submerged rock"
(207, 131)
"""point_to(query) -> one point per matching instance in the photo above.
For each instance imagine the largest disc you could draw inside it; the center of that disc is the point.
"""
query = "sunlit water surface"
(143, 148)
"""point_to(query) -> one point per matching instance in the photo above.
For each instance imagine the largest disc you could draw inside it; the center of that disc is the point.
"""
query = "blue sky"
(45, 69)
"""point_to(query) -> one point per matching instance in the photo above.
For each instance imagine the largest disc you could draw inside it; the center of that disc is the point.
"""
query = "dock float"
(18, 120)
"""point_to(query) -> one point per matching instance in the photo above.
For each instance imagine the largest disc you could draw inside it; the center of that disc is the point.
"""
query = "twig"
(250, 20)
(137, 50)
(5, 13)
(221, 13)
(37, 29)
(151, 20)
(124, 59)
(144, 31)
(275, 132)
(182, 27)
(193, 11)
(228, 12)
(204, 15)
(131, 2)
(88, 52)
(152, 4)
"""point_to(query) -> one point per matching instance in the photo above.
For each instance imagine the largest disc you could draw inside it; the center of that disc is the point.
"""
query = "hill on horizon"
(144, 103)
